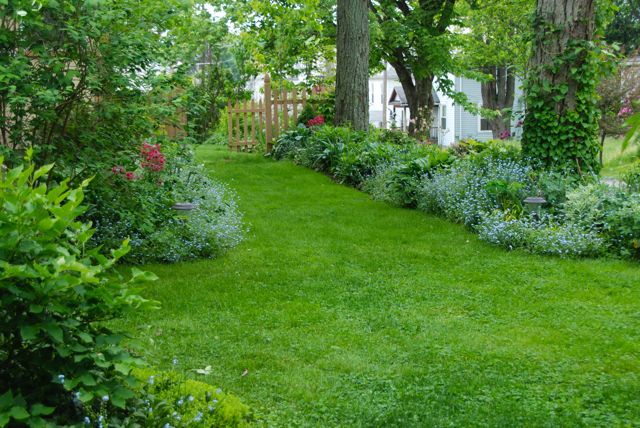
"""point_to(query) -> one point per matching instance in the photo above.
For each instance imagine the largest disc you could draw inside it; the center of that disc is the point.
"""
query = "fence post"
(230, 123)
(267, 113)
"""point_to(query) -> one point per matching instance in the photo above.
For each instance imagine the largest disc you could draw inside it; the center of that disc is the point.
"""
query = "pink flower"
(130, 175)
(625, 111)
(117, 170)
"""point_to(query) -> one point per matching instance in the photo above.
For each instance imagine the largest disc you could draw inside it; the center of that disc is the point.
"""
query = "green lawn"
(616, 161)
(349, 312)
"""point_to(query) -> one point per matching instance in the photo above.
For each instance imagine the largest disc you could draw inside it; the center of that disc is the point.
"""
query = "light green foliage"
(350, 312)
(633, 135)
(496, 33)
(282, 35)
(183, 402)
(54, 297)
(611, 212)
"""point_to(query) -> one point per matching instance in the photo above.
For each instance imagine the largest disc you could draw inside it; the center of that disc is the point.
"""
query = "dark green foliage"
(56, 353)
(625, 26)
(324, 104)
(507, 195)
(352, 157)
(307, 113)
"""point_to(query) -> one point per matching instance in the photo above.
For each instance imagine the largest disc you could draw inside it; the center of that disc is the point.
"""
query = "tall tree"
(561, 125)
(352, 68)
(495, 44)
(414, 37)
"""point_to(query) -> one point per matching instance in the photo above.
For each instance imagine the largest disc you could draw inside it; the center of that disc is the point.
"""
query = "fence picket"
(268, 121)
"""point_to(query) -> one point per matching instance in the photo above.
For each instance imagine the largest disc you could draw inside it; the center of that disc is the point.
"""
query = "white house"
(451, 122)
(388, 107)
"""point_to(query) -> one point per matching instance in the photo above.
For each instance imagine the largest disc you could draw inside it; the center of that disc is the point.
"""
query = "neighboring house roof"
(399, 99)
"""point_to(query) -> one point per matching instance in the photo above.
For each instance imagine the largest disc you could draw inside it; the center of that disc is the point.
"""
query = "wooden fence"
(249, 123)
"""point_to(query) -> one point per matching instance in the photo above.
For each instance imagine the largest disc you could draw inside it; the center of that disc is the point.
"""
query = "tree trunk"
(419, 93)
(561, 126)
(352, 68)
(499, 94)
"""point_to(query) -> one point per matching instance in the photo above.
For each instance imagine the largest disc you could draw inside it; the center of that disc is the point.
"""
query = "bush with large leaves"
(56, 354)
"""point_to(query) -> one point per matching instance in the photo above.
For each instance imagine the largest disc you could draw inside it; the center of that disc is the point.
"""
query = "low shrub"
(352, 157)
(135, 201)
(170, 399)
(57, 357)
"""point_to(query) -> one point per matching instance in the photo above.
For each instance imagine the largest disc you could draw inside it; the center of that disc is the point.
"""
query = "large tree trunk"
(561, 125)
(499, 94)
(419, 93)
(352, 69)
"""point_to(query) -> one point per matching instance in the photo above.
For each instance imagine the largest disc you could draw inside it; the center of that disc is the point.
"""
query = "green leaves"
(53, 299)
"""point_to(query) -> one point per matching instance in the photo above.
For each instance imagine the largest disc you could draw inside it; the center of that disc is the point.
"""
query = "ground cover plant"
(343, 311)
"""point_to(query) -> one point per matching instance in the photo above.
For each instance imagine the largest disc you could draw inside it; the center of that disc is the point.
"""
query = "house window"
(443, 118)
(484, 124)
(371, 94)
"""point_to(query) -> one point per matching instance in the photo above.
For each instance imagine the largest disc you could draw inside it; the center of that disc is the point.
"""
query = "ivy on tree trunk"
(561, 125)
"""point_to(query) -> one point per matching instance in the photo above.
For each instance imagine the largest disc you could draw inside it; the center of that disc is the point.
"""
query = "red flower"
(152, 157)
(316, 121)
(130, 175)
(117, 170)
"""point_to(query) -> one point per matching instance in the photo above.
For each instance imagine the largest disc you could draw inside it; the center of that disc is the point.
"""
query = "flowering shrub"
(137, 203)
(467, 190)
(316, 121)
(152, 157)
(57, 354)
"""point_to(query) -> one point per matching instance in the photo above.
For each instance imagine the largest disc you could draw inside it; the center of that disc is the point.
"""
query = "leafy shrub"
(307, 113)
(632, 177)
(554, 186)
(56, 354)
(541, 236)
(398, 182)
(397, 138)
(324, 104)
(136, 201)
(590, 206)
(624, 227)
(217, 139)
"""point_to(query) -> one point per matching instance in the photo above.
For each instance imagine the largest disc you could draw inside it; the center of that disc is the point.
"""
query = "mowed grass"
(349, 312)
(617, 162)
